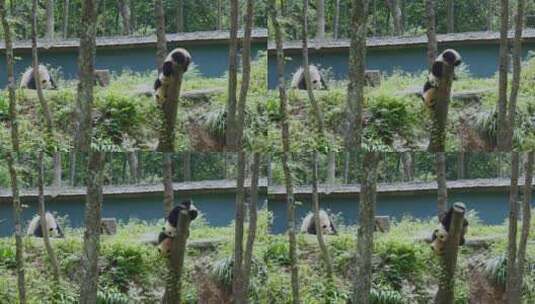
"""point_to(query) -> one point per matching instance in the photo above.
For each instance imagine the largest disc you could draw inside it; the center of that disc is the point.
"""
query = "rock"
(102, 77)
(108, 226)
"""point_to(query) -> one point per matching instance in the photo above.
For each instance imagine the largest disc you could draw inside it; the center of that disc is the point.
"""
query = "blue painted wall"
(491, 207)
(482, 60)
(211, 59)
(217, 208)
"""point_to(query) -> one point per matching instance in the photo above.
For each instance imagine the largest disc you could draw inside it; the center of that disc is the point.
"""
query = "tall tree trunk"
(285, 131)
(504, 143)
(439, 108)
(72, 167)
(442, 187)
(331, 168)
(336, 26)
(320, 7)
(407, 161)
(126, 16)
(526, 220)
(168, 192)
(512, 270)
(49, 19)
(450, 15)
(395, 9)
(179, 16)
(461, 165)
(219, 15)
(237, 267)
(186, 163)
(347, 159)
(368, 185)
(57, 170)
(448, 265)
(432, 48)
(91, 247)
(490, 14)
(133, 166)
(65, 19)
(86, 63)
(161, 40)
(316, 205)
(357, 67)
(42, 215)
(231, 125)
(253, 214)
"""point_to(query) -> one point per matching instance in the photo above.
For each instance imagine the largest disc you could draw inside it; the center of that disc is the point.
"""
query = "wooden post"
(445, 294)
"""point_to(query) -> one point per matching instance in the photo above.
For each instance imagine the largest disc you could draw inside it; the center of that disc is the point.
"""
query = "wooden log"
(102, 77)
(108, 226)
(382, 223)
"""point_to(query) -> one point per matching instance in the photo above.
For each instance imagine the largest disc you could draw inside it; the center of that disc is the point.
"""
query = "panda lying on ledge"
(326, 225)
(179, 57)
(165, 239)
(440, 235)
(449, 56)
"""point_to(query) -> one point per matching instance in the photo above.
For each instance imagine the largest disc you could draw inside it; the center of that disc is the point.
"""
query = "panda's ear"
(186, 204)
(438, 69)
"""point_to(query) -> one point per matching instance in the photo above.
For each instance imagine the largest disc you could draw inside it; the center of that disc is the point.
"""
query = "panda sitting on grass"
(178, 58)
(450, 57)
(298, 79)
(326, 225)
(54, 229)
(165, 238)
(441, 234)
(28, 79)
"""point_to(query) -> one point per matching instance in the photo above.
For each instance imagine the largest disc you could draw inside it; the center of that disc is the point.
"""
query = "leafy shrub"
(277, 252)
(400, 261)
(384, 295)
(390, 116)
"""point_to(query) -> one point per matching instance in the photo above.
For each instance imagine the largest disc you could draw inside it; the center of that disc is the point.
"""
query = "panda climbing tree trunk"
(173, 292)
(368, 186)
(442, 188)
(231, 123)
(42, 215)
(439, 107)
(92, 219)
(357, 67)
(448, 262)
(316, 205)
(237, 266)
(512, 288)
(285, 132)
(431, 32)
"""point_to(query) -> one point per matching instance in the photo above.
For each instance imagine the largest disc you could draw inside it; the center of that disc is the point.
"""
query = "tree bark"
(42, 215)
(186, 162)
(126, 16)
(461, 165)
(319, 232)
(439, 107)
(86, 63)
(320, 7)
(336, 19)
(442, 187)
(219, 15)
(285, 131)
(357, 67)
(65, 19)
(490, 14)
(72, 167)
(179, 16)
(450, 15)
(49, 19)
(331, 168)
(161, 40)
(232, 124)
(446, 291)
(513, 293)
(526, 220)
(57, 170)
(251, 233)
(368, 185)
(504, 143)
(431, 32)
(168, 192)
(407, 161)
(133, 166)
(237, 269)
(91, 247)
(395, 9)
(347, 159)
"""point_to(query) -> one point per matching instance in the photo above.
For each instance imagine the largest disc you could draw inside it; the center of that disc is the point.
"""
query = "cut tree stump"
(102, 77)
(108, 226)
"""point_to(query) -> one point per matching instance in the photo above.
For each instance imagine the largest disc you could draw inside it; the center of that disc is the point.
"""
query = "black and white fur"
(298, 79)
(54, 229)
(169, 231)
(177, 61)
(28, 79)
(450, 57)
(327, 226)
(441, 234)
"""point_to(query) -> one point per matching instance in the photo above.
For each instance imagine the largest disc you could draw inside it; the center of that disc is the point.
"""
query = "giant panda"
(178, 58)
(28, 79)
(298, 79)
(449, 56)
(54, 229)
(327, 226)
(169, 231)
(441, 234)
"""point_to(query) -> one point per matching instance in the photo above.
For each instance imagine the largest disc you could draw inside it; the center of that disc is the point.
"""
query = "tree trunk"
(285, 131)
(72, 167)
(42, 212)
(368, 185)
(186, 162)
(395, 8)
(431, 32)
(237, 269)
(231, 126)
(526, 221)
(442, 187)
(331, 168)
(512, 289)
(461, 165)
(315, 105)
(408, 166)
(126, 16)
(446, 292)
(179, 16)
(168, 192)
(133, 166)
(219, 15)
(57, 170)
(504, 143)
(161, 40)
(450, 15)
(65, 19)
(490, 14)
(336, 19)
(251, 233)
(357, 67)
(86, 63)
(347, 159)
(91, 247)
(439, 107)
(49, 19)
(319, 232)
(320, 7)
